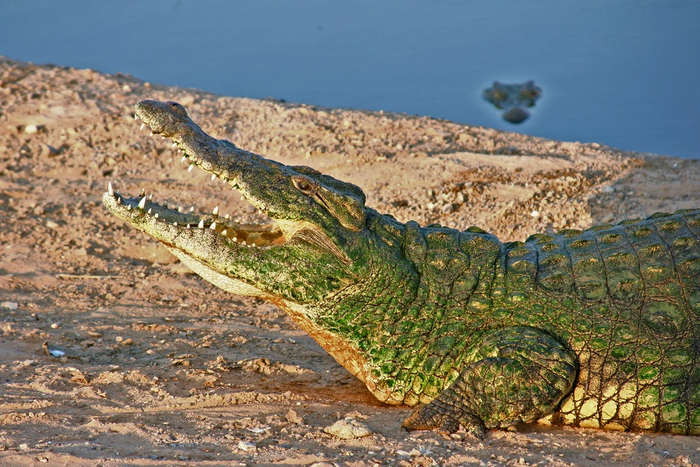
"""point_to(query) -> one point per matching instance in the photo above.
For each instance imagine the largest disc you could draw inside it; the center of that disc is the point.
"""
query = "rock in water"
(516, 115)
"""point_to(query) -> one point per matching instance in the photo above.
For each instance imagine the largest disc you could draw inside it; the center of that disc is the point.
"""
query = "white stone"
(348, 428)
(247, 446)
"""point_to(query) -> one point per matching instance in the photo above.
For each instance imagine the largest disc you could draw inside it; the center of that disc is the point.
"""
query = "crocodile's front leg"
(513, 374)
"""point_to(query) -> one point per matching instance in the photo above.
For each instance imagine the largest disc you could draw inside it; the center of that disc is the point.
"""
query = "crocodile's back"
(626, 298)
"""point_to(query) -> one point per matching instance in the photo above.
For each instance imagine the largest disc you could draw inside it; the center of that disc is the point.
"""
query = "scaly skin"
(599, 327)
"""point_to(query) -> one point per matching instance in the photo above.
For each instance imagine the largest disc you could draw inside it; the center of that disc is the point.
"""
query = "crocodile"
(512, 98)
(590, 328)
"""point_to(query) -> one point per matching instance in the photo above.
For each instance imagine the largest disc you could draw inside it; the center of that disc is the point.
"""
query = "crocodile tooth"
(189, 226)
(244, 243)
(189, 169)
(215, 211)
(152, 133)
(252, 244)
(242, 198)
(224, 232)
(143, 192)
(213, 226)
(150, 210)
(235, 239)
(184, 158)
(136, 117)
(156, 216)
(150, 197)
(142, 203)
(175, 223)
(179, 209)
(227, 216)
(119, 201)
(163, 137)
(142, 126)
(110, 190)
(128, 207)
(201, 224)
(174, 145)
(192, 209)
(213, 177)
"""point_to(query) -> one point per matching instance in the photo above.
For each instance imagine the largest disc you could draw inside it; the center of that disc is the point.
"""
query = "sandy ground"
(161, 368)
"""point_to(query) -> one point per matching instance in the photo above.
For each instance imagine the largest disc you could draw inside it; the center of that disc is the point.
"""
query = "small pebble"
(348, 428)
(247, 446)
(46, 150)
(10, 305)
(293, 417)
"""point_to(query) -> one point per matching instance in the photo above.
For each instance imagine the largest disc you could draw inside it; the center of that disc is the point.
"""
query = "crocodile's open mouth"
(261, 236)
(260, 181)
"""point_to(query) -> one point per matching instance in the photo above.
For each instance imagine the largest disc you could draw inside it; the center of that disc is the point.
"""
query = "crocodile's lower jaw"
(229, 284)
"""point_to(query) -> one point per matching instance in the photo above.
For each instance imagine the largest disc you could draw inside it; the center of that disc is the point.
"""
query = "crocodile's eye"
(303, 185)
(178, 108)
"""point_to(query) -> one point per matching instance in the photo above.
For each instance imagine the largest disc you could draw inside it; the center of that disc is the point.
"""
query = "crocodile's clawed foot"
(444, 419)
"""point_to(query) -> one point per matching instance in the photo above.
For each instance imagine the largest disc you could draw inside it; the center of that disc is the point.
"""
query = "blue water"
(624, 73)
